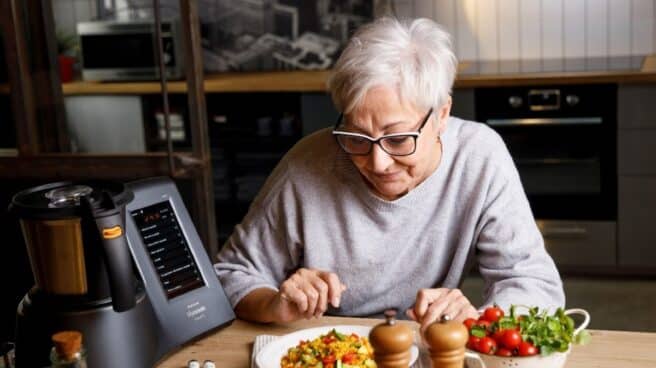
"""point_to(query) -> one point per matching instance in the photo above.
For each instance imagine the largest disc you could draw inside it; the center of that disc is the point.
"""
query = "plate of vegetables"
(343, 346)
(524, 340)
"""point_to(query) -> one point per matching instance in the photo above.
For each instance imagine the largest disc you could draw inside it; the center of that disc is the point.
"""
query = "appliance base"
(111, 339)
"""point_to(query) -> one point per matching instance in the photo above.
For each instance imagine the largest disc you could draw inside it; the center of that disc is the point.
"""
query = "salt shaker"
(391, 342)
(446, 340)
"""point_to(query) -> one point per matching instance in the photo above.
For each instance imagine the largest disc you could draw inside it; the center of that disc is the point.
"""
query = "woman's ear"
(443, 115)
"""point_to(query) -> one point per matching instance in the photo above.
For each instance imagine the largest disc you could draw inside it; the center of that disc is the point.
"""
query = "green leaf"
(478, 331)
(582, 338)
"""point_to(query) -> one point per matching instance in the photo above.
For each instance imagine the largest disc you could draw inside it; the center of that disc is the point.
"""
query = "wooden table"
(231, 347)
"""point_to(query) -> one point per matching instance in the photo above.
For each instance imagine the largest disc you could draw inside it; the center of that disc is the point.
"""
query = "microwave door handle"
(544, 121)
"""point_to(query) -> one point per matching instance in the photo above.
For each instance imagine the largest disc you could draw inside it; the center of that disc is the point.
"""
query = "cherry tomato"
(487, 345)
(498, 335)
(328, 339)
(349, 358)
(510, 339)
(469, 322)
(328, 359)
(473, 342)
(527, 349)
(483, 323)
(492, 314)
(504, 352)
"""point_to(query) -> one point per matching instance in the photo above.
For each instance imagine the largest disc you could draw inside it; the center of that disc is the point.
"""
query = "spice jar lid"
(446, 335)
(390, 337)
(67, 343)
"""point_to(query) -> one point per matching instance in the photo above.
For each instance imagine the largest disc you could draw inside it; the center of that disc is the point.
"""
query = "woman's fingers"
(432, 304)
(335, 287)
(311, 290)
(426, 297)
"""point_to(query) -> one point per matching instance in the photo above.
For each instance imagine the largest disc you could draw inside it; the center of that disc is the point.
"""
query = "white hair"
(414, 56)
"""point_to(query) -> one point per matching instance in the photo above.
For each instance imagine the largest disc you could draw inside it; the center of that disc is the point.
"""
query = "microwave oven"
(126, 50)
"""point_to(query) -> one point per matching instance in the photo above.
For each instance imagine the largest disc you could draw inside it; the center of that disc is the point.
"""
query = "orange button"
(112, 232)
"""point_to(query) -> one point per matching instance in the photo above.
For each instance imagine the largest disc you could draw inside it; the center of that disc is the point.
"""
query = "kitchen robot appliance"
(123, 264)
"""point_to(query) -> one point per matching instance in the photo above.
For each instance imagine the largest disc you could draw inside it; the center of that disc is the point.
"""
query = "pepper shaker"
(391, 342)
(446, 340)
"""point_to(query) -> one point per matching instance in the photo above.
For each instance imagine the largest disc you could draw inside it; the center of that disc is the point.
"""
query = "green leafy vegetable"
(550, 333)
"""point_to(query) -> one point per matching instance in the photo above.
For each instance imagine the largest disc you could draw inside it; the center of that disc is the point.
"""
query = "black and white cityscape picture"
(246, 35)
(254, 35)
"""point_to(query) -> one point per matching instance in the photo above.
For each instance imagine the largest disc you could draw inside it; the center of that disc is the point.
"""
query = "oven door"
(566, 164)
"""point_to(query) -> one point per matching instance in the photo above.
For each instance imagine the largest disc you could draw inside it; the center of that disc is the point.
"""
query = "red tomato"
(473, 342)
(527, 349)
(492, 314)
(498, 335)
(504, 352)
(483, 323)
(328, 339)
(349, 358)
(487, 345)
(329, 359)
(510, 339)
(469, 322)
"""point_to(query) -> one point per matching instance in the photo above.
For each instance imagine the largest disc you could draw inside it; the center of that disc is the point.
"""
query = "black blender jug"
(83, 272)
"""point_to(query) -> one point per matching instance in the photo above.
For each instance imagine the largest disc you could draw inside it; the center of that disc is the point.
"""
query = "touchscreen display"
(168, 249)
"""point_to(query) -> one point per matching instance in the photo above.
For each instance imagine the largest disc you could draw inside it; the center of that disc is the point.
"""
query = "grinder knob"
(447, 340)
(391, 342)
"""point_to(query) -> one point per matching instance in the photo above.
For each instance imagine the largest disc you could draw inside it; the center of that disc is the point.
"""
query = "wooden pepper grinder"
(391, 342)
(446, 343)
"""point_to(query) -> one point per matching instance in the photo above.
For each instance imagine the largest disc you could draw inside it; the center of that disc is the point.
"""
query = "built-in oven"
(563, 142)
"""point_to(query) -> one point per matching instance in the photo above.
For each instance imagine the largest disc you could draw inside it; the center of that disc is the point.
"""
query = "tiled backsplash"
(506, 29)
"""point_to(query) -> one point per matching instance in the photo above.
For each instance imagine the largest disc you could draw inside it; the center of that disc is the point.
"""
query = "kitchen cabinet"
(637, 232)
(636, 176)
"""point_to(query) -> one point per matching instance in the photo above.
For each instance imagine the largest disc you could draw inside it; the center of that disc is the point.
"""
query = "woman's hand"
(306, 294)
(432, 304)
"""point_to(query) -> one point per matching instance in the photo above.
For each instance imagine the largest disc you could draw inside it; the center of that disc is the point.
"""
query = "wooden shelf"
(292, 81)
(315, 81)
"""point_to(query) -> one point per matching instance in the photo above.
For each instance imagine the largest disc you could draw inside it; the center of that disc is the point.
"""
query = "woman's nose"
(379, 159)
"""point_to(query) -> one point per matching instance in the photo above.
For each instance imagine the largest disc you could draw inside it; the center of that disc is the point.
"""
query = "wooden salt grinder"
(391, 342)
(446, 343)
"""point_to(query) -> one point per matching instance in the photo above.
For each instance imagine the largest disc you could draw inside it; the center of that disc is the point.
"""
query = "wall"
(69, 12)
(542, 29)
(508, 29)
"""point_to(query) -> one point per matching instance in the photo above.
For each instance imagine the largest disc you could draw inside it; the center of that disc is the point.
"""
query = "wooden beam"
(203, 187)
(20, 77)
(89, 166)
(45, 78)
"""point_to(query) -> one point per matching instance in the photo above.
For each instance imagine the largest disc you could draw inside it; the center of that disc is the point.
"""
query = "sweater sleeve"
(259, 253)
(512, 258)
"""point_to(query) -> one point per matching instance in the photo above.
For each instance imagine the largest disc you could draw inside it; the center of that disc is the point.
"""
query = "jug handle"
(475, 356)
(119, 261)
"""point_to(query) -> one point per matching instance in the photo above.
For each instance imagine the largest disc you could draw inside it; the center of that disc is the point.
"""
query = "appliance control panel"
(179, 278)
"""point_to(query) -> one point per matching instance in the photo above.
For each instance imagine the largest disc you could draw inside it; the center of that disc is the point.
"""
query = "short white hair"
(414, 56)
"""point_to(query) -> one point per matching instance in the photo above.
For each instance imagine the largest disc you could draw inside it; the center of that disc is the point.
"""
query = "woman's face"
(382, 112)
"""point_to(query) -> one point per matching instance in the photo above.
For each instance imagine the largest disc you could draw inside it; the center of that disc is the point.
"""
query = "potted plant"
(67, 44)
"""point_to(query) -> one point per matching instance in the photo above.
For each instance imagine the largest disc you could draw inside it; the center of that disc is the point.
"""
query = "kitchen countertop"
(231, 347)
(491, 74)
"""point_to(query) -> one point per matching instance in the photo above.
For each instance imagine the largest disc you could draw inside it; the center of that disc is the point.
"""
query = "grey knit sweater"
(316, 211)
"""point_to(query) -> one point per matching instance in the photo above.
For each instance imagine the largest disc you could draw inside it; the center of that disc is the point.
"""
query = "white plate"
(272, 353)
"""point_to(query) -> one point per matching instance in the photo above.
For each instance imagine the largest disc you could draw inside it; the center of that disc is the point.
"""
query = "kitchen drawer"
(636, 152)
(580, 243)
(636, 106)
(635, 222)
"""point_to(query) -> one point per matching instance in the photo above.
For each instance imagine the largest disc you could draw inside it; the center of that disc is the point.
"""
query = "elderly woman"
(392, 207)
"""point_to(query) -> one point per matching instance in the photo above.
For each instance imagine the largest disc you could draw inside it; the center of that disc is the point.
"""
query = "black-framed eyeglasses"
(397, 144)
